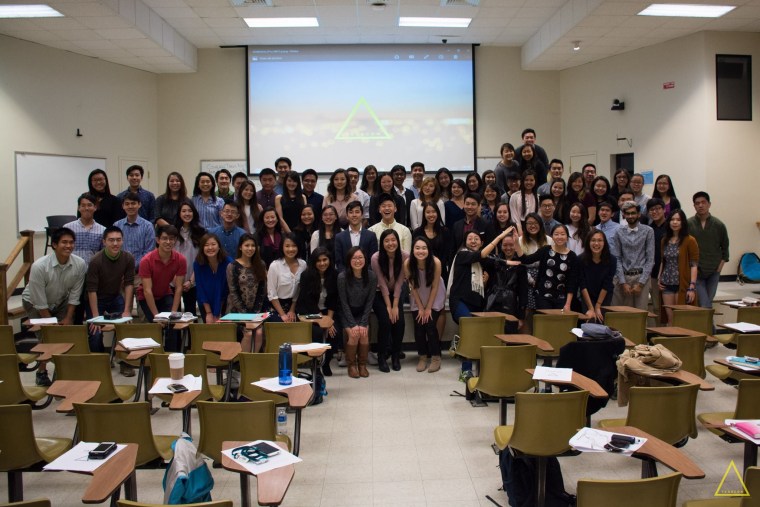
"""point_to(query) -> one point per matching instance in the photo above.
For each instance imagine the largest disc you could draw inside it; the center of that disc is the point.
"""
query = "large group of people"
(513, 239)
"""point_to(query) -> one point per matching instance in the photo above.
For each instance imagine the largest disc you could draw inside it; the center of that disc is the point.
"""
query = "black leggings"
(389, 335)
(426, 335)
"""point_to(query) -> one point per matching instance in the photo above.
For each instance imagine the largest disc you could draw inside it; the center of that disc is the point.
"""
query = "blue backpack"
(749, 268)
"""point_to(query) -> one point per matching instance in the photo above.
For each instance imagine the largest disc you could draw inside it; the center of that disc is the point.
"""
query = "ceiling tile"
(105, 22)
(175, 12)
(84, 9)
(120, 33)
(135, 43)
(77, 34)
(216, 12)
(92, 45)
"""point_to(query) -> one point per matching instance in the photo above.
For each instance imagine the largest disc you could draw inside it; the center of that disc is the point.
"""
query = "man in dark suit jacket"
(354, 235)
(472, 221)
(398, 173)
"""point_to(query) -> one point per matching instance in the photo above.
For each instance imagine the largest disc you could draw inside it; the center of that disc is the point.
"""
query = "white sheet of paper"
(99, 319)
(736, 303)
(731, 422)
(284, 458)
(162, 315)
(547, 373)
(76, 460)
(273, 384)
(139, 343)
(577, 331)
(743, 327)
(192, 384)
(593, 440)
(43, 321)
(304, 347)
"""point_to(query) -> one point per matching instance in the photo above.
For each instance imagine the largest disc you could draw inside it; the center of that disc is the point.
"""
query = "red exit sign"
(669, 85)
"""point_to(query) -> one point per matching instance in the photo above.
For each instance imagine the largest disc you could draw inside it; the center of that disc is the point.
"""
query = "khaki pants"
(640, 300)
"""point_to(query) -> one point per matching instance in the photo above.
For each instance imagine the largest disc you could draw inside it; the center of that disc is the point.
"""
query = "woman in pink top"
(423, 270)
(387, 264)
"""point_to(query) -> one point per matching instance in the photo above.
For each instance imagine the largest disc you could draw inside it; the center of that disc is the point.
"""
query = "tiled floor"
(401, 439)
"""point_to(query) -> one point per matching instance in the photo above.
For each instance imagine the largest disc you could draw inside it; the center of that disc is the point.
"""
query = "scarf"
(476, 279)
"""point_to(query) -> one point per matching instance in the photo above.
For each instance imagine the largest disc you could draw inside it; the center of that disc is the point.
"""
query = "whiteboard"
(50, 185)
(233, 166)
(486, 163)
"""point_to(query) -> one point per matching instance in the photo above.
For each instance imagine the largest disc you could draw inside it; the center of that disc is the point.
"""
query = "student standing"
(139, 235)
(339, 195)
(108, 206)
(290, 203)
(507, 165)
(354, 235)
(634, 248)
(282, 280)
(135, 174)
(89, 233)
(246, 280)
(444, 179)
(250, 209)
(228, 234)
(712, 237)
(387, 264)
(429, 192)
(223, 181)
(678, 270)
(423, 270)
(362, 196)
(598, 267)
(525, 200)
(167, 204)
(454, 207)
(356, 290)
(328, 229)
(270, 236)
(370, 182)
(209, 206)
(309, 180)
(266, 196)
(304, 231)
(188, 241)
(577, 192)
(578, 228)
(210, 269)
(160, 271)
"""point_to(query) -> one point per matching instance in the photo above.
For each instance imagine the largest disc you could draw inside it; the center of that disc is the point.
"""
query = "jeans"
(707, 286)
(459, 310)
(114, 304)
(171, 336)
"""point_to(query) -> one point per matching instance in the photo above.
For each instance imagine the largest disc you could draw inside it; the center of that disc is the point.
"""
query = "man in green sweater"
(712, 238)
(110, 270)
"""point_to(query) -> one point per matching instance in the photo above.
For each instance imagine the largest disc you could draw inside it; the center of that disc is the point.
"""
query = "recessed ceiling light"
(28, 11)
(687, 10)
(281, 22)
(435, 22)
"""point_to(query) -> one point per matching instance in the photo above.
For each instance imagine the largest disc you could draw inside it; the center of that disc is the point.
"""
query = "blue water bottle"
(286, 364)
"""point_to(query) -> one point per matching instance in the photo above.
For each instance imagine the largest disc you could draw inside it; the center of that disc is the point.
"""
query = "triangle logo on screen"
(362, 124)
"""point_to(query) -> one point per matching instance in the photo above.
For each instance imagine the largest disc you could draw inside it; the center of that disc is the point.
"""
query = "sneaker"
(42, 379)
(372, 359)
(126, 370)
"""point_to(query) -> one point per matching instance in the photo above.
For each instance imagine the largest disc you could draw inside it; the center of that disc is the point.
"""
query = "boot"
(382, 363)
(422, 364)
(350, 354)
(395, 361)
(363, 353)
(435, 364)
(326, 370)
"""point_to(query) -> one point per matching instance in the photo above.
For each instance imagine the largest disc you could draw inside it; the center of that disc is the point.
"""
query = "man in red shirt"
(159, 270)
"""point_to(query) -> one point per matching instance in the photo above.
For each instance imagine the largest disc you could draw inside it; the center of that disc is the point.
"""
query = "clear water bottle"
(282, 421)
(285, 364)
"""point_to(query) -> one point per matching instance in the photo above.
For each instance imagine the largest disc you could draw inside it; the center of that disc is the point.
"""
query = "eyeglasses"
(550, 205)
(631, 213)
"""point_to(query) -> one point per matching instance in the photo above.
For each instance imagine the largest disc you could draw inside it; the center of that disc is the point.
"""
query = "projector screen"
(327, 107)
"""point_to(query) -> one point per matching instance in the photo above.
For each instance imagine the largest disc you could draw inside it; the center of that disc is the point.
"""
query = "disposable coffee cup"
(177, 365)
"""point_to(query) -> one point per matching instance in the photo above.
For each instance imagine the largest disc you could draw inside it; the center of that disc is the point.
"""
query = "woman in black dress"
(108, 205)
(270, 236)
(290, 203)
(247, 282)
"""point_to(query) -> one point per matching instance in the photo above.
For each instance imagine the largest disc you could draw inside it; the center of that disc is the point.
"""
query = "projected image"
(327, 107)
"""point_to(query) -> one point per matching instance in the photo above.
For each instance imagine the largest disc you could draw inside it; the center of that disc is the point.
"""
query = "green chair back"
(668, 413)
(195, 364)
(139, 330)
(689, 349)
(254, 367)
(658, 492)
(20, 448)
(92, 367)
(477, 332)
(200, 333)
(234, 421)
(502, 370)
(632, 325)
(68, 334)
(11, 389)
(700, 320)
(555, 329)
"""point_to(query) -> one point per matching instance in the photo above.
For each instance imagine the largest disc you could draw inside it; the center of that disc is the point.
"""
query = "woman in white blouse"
(429, 192)
(283, 278)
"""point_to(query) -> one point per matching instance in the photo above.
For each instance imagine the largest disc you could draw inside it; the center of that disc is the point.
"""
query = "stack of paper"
(76, 459)
(192, 384)
(593, 440)
(742, 363)
(279, 460)
(733, 422)
(43, 321)
(101, 319)
(245, 317)
(743, 327)
(305, 347)
(273, 384)
(139, 343)
(549, 374)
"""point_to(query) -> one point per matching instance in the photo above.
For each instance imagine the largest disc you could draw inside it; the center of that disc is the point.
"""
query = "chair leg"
(541, 480)
(15, 486)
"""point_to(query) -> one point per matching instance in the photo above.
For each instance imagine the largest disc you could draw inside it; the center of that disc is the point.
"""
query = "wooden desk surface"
(181, 401)
(272, 485)
(683, 377)
(525, 339)
(689, 308)
(679, 331)
(73, 391)
(560, 312)
(507, 317)
(227, 351)
(316, 352)
(729, 327)
(579, 381)
(734, 367)
(323, 322)
(133, 355)
(47, 350)
(110, 476)
(662, 452)
(629, 309)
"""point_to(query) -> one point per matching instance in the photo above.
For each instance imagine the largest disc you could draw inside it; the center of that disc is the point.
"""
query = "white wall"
(674, 131)
(47, 94)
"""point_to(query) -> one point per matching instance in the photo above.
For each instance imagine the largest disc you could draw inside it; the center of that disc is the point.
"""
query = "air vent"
(252, 3)
(460, 3)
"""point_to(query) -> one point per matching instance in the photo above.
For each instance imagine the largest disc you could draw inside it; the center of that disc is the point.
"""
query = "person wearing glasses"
(634, 246)
(546, 212)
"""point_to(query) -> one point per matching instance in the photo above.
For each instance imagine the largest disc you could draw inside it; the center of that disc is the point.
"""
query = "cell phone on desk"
(177, 388)
(267, 449)
(102, 451)
(314, 316)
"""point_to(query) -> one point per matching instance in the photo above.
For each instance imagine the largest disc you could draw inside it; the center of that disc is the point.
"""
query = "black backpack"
(518, 477)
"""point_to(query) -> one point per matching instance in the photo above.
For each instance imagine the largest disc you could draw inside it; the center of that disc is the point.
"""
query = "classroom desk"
(271, 485)
(525, 339)
(678, 331)
(629, 309)
(680, 377)
(72, 391)
(737, 304)
(46, 351)
(750, 448)
(734, 367)
(135, 355)
(109, 477)
(228, 351)
(550, 311)
(507, 317)
(183, 402)
(580, 381)
(298, 398)
(656, 450)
